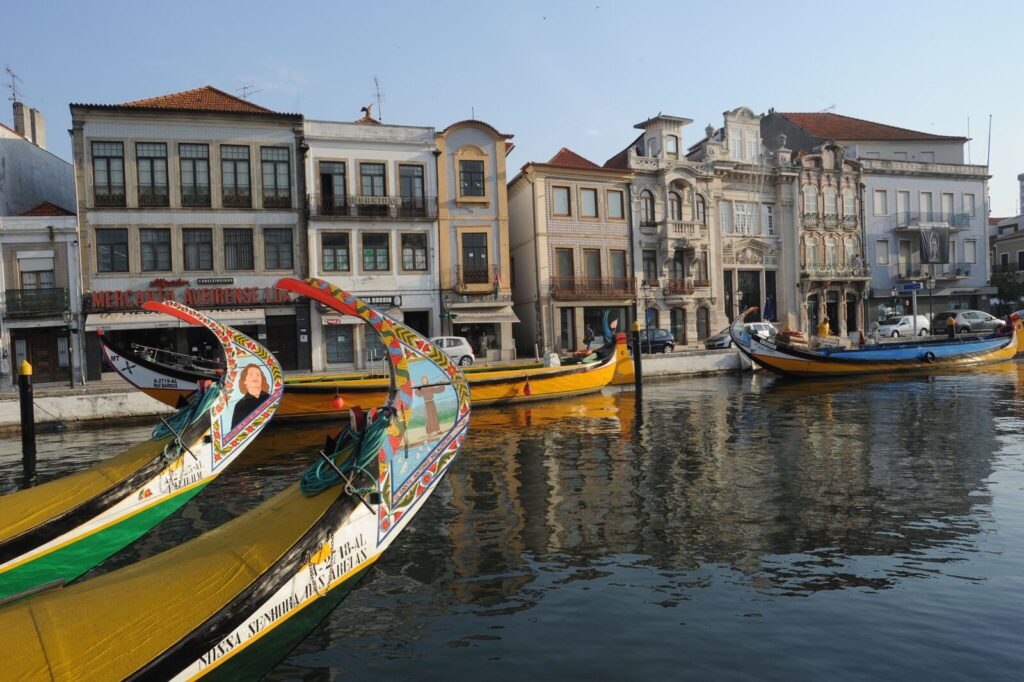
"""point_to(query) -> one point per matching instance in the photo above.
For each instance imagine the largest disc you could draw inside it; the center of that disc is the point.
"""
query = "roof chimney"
(30, 124)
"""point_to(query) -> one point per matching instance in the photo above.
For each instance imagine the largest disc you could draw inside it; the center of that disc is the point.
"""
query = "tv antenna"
(827, 110)
(13, 87)
(247, 90)
(380, 98)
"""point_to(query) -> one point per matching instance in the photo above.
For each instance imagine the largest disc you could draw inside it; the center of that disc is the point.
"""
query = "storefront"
(346, 343)
(487, 325)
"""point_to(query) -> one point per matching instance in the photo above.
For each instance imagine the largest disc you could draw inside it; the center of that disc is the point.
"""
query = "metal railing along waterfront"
(372, 207)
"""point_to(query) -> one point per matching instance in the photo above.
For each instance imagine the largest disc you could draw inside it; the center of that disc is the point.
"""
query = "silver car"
(456, 347)
(724, 340)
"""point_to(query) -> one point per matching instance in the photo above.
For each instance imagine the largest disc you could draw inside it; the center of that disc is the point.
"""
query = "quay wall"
(692, 363)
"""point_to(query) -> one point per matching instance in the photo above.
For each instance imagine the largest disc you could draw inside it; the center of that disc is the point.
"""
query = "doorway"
(418, 321)
(281, 340)
(749, 285)
(703, 324)
(832, 310)
(851, 314)
(47, 349)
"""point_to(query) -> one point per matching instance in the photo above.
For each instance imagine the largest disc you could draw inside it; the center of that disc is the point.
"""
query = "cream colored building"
(571, 252)
(473, 240)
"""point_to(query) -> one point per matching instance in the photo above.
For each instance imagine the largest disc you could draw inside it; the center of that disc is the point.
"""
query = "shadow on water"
(728, 526)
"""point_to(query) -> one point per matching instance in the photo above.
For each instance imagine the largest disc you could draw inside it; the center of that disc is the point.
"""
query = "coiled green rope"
(185, 416)
(320, 475)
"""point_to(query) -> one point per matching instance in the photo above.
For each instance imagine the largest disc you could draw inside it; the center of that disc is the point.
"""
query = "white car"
(903, 325)
(456, 347)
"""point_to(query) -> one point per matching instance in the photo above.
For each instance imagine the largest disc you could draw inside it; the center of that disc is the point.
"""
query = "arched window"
(677, 267)
(810, 200)
(646, 208)
(831, 252)
(700, 210)
(849, 202)
(810, 251)
(677, 320)
(672, 147)
(831, 201)
(675, 207)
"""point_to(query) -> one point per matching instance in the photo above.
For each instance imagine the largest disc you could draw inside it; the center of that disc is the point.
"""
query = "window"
(277, 248)
(63, 356)
(768, 219)
(155, 246)
(927, 157)
(1020, 261)
(849, 202)
(234, 176)
(332, 188)
(615, 205)
(474, 258)
(277, 189)
(675, 206)
(1004, 262)
(410, 187)
(831, 252)
(151, 158)
(238, 251)
(588, 203)
(592, 263)
(471, 178)
(970, 251)
(811, 251)
(899, 156)
(880, 206)
(37, 279)
(618, 263)
(882, 252)
(372, 183)
(700, 210)
(926, 205)
(831, 201)
(746, 217)
(560, 196)
(725, 208)
(195, 174)
(947, 206)
(677, 267)
(198, 247)
(414, 251)
(108, 173)
(338, 339)
(903, 207)
(112, 250)
(672, 147)
(564, 269)
(872, 155)
(334, 252)
(735, 146)
(810, 200)
(752, 145)
(650, 262)
(969, 204)
(646, 209)
(376, 252)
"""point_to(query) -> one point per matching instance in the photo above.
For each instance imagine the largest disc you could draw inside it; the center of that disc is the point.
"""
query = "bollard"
(638, 375)
(28, 421)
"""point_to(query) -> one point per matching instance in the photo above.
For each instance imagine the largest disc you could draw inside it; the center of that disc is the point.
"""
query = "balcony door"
(564, 269)
(332, 186)
(904, 258)
(592, 268)
(926, 206)
(410, 186)
(474, 258)
(902, 208)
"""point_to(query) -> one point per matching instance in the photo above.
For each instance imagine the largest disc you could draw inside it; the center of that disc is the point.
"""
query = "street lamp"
(69, 317)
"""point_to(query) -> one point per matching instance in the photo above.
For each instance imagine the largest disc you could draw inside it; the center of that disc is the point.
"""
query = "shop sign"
(383, 301)
(195, 298)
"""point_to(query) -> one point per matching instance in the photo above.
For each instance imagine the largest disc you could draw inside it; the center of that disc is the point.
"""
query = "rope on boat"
(180, 420)
(343, 465)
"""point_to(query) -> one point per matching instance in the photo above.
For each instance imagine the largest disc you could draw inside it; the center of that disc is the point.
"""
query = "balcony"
(592, 287)
(277, 200)
(685, 229)
(649, 227)
(195, 197)
(476, 279)
(236, 198)
(912, 221)
(32, 302)
(831, 221)
(361, 207)
(910, 273)
(849, 222)
(112, 197)
(835, 272)
(811, 220)
(952, 271)
(678, 287)
(701, 283)
(154, 197)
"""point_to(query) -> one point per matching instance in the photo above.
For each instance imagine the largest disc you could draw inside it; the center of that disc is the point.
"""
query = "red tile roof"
(47, 209)
(836, 127)
(621, 160)
(206, 98)
(567, 158)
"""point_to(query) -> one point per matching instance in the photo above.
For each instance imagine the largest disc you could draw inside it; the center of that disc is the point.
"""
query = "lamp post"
(68, 319)
(648, 293)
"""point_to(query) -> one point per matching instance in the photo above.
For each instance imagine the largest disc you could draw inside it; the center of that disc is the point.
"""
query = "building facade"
(571, 252)
(197, 196)
(923, 209)
(29, 174)
(372, 231)
(473, 239)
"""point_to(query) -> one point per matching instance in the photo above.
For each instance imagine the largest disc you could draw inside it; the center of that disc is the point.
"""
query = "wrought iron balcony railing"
(372, 207)
(835, 272)
(154, 197)
(277, 200)
(28, 302)
(592, 287)
(236, 198)
(195, 197)
(956, 270)
(912, 220)
(110, 198)
(678, 287)
(466, 278)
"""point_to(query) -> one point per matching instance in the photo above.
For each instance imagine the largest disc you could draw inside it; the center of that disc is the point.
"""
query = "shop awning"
(492, 315)
(146, 320)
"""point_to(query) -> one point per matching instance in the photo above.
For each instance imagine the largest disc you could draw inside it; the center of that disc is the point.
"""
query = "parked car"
(653, 341)
(456, 347)
(903, 325)
(724, 340)
(967, 321)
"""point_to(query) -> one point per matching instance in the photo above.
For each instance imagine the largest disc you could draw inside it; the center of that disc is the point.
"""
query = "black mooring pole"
(638, 371)
(28, 422)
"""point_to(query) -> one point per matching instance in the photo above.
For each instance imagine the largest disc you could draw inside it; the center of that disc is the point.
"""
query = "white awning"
(147, 320)
(493, 314)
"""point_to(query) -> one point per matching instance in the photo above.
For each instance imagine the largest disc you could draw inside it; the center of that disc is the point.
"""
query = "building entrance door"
(749, 285)
(46, 349)
(281, 340)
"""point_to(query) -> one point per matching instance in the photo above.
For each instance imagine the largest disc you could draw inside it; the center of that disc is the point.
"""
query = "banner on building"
(934, 244)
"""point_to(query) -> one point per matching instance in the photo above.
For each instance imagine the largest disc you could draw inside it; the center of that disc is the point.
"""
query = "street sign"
(909, 286)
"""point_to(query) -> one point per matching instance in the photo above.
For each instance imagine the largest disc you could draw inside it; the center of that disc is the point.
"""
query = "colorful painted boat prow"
(234, 601)
(929, 355)
(55, 532)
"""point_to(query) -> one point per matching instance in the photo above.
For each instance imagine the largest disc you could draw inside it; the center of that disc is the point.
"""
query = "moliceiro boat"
(929, 355)
(232, 602)
(55, 532)
(169, 378)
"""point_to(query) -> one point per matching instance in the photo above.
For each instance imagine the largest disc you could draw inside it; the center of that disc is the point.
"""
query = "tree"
(1010, 288)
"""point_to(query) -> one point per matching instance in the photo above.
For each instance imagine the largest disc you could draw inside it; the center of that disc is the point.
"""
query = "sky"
(557, 74)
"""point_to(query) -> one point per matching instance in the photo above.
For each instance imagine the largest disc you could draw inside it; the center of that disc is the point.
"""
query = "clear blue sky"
(566, 73)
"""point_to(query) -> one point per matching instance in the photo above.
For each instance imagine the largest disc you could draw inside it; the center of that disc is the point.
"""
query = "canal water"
(731, 527)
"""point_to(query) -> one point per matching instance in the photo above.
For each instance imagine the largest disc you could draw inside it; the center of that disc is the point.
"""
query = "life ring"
(929, 357)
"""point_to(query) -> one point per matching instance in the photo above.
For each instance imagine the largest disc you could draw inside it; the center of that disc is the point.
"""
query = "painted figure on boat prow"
(254, 390)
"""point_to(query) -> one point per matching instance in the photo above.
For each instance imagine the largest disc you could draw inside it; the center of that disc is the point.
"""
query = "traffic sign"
(909, 286)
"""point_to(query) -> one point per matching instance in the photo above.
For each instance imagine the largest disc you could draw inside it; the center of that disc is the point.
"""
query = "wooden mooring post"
(28, 421)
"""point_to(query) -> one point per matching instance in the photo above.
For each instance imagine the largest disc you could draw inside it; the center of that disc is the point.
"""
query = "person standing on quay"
(588, 336)
(951, 327)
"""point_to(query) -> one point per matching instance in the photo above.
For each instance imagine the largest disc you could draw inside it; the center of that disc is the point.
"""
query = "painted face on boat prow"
(252, 381)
